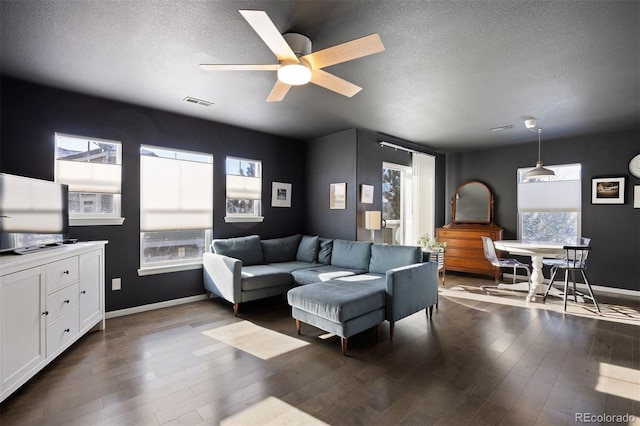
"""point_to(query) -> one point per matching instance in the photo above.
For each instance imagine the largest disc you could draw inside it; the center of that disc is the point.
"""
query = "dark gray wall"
(31, 114)
(354, 156)
(614, 229)
(331, 159)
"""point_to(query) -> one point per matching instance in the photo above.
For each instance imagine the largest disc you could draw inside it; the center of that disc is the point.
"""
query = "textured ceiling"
(450, 71)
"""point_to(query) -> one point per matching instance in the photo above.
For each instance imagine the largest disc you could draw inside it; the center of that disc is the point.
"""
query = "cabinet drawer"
(464, 253)
(61, 273)
(464, 243)
(61, 302)
(62, 332)
(470, 264)
(466, 234)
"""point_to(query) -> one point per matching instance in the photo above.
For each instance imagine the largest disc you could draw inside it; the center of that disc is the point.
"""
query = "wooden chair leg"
(298, 326)
(344, 346)
(235, 309)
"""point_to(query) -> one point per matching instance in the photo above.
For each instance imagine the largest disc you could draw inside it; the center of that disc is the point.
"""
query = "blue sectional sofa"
(340, 286)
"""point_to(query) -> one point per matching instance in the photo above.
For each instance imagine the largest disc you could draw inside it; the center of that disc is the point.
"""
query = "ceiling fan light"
(294, 74)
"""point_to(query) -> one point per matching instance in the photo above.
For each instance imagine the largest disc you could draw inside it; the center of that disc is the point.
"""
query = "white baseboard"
(152, 306)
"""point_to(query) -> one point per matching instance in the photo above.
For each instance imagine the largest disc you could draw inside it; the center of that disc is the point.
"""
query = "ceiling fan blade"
(224, 67)
(331, 82)
(262, 24)
(278, 92)
(345, 52)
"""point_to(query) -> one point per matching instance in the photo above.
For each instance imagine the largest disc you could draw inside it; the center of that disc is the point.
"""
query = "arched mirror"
(472, 203)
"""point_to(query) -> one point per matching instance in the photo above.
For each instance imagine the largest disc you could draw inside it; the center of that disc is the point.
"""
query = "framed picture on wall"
(338, 196)
(280, 194)
(607, 190)
(366, 194)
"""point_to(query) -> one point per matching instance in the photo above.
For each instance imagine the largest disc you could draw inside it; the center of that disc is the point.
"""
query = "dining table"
(537, 250)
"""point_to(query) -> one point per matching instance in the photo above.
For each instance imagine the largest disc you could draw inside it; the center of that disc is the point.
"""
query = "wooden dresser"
(464, 251)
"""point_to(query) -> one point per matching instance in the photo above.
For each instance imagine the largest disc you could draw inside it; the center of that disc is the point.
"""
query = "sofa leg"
(392, 325)
(208, 295)
(344, 346)
(235, 309)
(378, 330)
(430, 312)
(298, 326)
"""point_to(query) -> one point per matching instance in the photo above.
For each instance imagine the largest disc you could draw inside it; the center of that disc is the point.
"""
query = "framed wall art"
(607, 190)
(338, 196)
(366, 194)
(280, 194)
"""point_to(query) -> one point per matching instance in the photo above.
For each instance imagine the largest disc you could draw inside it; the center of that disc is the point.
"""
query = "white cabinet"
(22, 324)
(48, 300)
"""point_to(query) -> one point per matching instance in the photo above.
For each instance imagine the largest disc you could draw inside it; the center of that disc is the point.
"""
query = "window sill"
(232, 219)
(95, 221)
(153, 270)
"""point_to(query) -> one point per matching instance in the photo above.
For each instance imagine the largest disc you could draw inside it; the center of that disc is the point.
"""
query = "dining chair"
(491, 255)
(575, 260)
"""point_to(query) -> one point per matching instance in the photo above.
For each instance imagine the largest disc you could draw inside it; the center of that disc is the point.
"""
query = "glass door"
(396, 204)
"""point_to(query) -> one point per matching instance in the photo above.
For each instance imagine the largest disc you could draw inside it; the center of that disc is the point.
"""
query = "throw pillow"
(324, 250)
(308, 249)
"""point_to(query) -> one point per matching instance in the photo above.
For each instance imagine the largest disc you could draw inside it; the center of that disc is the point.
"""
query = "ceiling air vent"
(197, 101)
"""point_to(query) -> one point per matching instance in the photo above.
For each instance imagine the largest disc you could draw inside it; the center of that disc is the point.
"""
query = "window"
(244, 190)
(549, 208)
(176, 209)
(92, 168)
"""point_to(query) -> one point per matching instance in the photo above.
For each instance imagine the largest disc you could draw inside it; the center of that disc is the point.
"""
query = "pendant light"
(539, 170)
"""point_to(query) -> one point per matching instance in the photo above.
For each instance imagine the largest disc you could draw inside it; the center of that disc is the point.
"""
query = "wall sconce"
(373, 222)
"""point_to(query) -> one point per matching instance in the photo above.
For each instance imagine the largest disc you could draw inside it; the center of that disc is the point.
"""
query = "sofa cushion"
(324, 250)
(280, 249)
(292, 266)
(247, 249)
(322, 273)
(351, 254)
(256, 277)
(335, 301)
(308, 249)
(388, 257)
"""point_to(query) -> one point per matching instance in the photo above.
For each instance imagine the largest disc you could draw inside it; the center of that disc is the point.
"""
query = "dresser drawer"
(62, 332)
(61, 273)
(468, 264)
(61, 302)
(463, 243)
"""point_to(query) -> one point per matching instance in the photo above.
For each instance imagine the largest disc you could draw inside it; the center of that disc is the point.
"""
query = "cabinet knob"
(66, 330)
(66, 301)
(45, 313)
(83, 292)
(66, 272)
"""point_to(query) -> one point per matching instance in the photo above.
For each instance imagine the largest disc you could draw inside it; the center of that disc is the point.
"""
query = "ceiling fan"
(296, 64)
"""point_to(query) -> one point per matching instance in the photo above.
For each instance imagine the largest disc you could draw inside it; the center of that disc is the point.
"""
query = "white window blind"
(550, 196)
(244, 187)
(175, 193)
(89, 177)
(88, 164)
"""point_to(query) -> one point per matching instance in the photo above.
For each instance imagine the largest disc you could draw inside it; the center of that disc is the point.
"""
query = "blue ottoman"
(339, 307)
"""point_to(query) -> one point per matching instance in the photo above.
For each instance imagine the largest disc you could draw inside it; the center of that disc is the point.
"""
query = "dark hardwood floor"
(476, 363)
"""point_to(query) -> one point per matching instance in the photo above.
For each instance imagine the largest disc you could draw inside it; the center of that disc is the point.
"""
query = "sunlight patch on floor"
(271, 411)
(615, 313)
(258, 341)
(619, 381)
